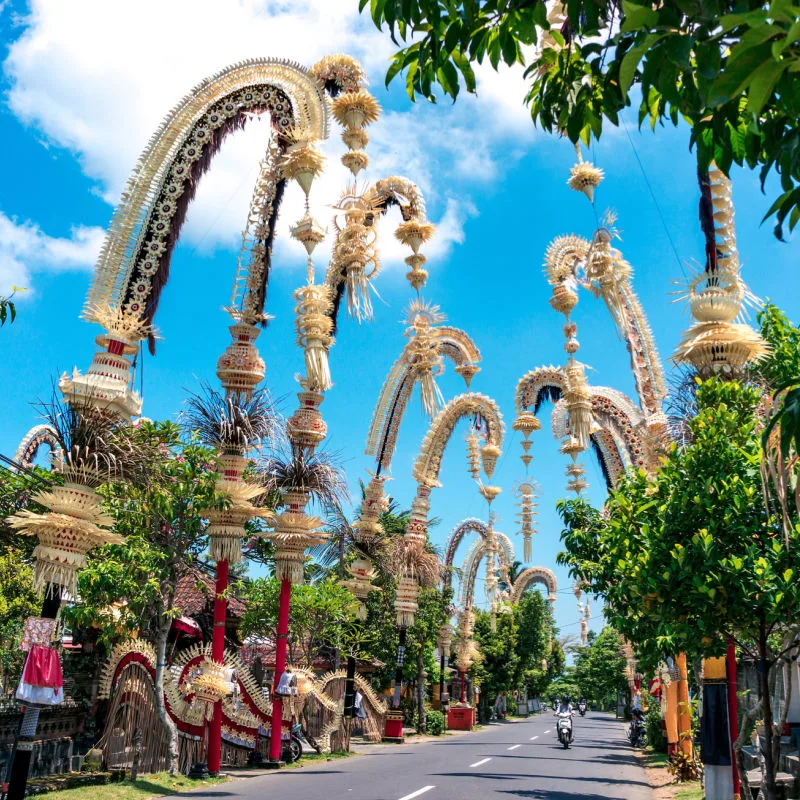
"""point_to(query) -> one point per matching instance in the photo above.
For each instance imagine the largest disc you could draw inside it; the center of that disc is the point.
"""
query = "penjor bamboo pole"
(18, 769)
(733, 711)
(218, 655)
(280, 668)
(684, 709)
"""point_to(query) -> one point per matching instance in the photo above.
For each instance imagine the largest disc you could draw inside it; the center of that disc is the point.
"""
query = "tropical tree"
(8, 309)
(499, 668)
(323, 618)
(727, 70)
(704, 507)
(600, 668)
(18, 601)
(131, 587)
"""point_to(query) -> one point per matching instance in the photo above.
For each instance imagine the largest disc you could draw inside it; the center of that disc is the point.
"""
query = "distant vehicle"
(582, 708)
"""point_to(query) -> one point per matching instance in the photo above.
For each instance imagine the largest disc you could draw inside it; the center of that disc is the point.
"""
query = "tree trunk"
(769, 788)
(161, 707)
(421, 722)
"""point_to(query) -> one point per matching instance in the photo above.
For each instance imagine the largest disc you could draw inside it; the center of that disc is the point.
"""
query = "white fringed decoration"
(405, 604)
(74, 526)
(314, 328)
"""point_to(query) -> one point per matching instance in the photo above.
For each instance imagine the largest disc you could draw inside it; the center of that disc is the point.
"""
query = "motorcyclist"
(565, 706)
(582, 705)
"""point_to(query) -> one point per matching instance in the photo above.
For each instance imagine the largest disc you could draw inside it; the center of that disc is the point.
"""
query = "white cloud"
(96, 78)
(25, 249)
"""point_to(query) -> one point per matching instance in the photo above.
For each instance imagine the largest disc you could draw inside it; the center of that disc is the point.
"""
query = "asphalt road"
(503, 761)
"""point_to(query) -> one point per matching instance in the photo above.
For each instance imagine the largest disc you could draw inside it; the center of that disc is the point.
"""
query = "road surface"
(504, 761)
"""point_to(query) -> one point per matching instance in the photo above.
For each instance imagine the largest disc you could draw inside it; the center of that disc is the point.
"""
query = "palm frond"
(85, 436)
(319, 475)
(236, 420)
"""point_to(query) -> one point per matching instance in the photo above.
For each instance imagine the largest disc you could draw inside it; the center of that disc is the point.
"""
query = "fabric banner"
(714, 730)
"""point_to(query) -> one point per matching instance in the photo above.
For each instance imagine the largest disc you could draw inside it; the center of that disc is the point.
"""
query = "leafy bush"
(435, 722)
(685, 768)
(511, 707)
(654, 724)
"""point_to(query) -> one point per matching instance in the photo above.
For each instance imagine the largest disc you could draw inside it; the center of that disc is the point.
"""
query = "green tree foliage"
(600, 669)
(322, 618)
(692, 557)
(727, 69)
(131, 587)
(18, 601)
(8, 309)
(780, 371)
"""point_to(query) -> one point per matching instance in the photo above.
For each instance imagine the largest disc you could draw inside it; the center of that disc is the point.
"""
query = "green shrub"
(435, 722)
(655, 726)
(512, 707)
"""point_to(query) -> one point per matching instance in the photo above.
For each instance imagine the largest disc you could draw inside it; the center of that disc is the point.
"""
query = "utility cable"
(653, 196)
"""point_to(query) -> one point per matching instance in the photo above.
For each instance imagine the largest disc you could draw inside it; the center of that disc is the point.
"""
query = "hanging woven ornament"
(578, 402)
(306, 428)
(414, 233)
(526, 515)
(355, 110)
(423, 354)
(489, 455)
(406, 601)
(360, 584)
(355, 252)
(314, 327)
(576, 482)
(585, 177)
(489, 492)
(294, 532)
(368, 527)
(302, 162)
(473, 455)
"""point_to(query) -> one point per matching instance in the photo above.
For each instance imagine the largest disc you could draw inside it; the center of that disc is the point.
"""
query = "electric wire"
(653, 196)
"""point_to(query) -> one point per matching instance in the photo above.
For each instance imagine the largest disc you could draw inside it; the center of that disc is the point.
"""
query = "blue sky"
(84, 85)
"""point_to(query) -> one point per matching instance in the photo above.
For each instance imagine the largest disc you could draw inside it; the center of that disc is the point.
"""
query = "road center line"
(476, 764)
(534, 738)
(514, 746)
(417, 793)
(547, 731)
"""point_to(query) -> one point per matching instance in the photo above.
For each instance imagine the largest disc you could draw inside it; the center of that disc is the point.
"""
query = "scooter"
(582, 709)
(555, 705)
(636, 733)
(564, 728)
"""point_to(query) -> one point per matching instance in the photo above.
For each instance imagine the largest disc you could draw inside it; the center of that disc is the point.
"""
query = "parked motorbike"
(295, 742)
(564, 728)
(582, 709)
(637, 733)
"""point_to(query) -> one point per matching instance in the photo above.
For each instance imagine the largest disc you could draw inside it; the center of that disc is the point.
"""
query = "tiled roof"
(194, 595)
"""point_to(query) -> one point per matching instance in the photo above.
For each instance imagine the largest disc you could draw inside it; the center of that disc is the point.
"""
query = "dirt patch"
(660, 780)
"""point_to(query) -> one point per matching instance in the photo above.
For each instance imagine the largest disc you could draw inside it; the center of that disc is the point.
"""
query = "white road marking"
(533, 738)
(514, 746)
(478, 763)
(418, 792)
(548, 731)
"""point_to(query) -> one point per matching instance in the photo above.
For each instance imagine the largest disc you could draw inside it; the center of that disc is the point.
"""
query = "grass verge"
(693, 792)
(157, 785)
(313, 758)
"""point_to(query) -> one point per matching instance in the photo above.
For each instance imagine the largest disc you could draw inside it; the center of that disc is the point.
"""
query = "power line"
(653, 196)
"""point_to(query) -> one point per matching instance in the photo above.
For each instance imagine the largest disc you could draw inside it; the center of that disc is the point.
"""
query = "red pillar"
(280, 667)
(733, 712)
(218, 654)
(463, 675)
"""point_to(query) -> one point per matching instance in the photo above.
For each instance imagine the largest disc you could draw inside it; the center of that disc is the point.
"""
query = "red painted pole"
(218, 654)
(280, 667)
(463, 676)
(733, 712)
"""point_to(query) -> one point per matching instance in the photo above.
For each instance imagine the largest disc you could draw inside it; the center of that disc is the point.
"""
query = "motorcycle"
(582, 709)
(294, 743)
(554, 705)
(636, 733)
(564, 728)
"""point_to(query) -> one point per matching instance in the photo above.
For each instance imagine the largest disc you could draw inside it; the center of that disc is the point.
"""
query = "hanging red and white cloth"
(42, 682)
